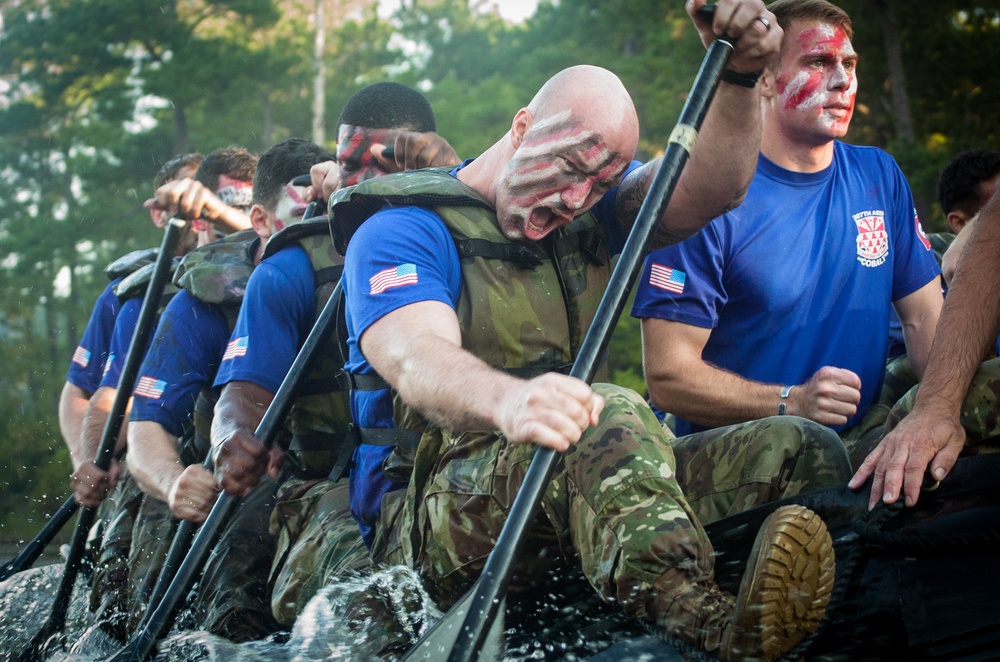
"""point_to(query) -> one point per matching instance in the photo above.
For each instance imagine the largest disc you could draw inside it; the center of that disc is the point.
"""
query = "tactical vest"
(130, 262)
(320, 419)
(215, 274)
(523, 309)
(134, 285)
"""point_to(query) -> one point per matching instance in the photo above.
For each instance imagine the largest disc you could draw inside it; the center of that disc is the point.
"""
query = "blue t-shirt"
(121, 338)
(278, 311)
(400, 256)
(182, 360)
(87, 366)
(802, 275)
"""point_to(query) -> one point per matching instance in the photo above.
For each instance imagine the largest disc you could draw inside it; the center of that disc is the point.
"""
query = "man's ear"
(957, 220)
(519, 126)
(260, 221)
(766, 84)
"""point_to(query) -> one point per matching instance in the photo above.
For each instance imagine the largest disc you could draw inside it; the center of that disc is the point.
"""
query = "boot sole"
(785, 596)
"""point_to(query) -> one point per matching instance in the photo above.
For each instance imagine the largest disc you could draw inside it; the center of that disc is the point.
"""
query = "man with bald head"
(469, 292)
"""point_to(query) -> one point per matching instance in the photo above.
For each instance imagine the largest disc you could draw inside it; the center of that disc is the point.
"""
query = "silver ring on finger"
(766, 23)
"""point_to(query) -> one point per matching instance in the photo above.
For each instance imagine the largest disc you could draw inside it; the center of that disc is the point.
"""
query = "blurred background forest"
(96, 94)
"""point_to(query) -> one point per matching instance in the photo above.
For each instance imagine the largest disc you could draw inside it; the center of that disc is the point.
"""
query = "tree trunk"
(901, 115)
(180, 142)
(319, 79)
(268, 132)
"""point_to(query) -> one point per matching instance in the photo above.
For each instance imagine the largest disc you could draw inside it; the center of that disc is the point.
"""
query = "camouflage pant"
(318, 539)
(108, 585)
(980, 415)
(616, 504)
(728, 470)
(232, 597)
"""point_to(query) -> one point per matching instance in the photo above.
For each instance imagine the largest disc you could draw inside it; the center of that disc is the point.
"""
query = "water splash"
(374, 616)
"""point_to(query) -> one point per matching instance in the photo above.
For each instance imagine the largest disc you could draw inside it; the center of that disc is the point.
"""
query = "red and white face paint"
(354, 155)
(559, 171)
(817, 81)
(291, 205)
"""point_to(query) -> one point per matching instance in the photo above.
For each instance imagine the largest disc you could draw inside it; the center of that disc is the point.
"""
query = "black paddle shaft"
(186, 530)
(158, 623)
(178, 551)
(492, 585)
(112, 428)
(34, 549)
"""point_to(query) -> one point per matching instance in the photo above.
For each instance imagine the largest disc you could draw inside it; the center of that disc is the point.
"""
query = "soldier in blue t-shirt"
(227, 172)
(87, 365)
(283, 298)
(782, 306)
(168, 432)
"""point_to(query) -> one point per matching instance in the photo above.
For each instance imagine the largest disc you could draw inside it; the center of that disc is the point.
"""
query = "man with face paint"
(87, 366)
(469, 289)
(224, 169)
(782, 306)
(168, 433)
(230, 173)
(318, 538)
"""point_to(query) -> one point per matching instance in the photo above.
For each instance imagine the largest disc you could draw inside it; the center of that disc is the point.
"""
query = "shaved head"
(597, 99)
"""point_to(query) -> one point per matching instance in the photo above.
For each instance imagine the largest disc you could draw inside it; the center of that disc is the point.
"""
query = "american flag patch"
(150, 387)
(404, 274)
(665, 278)
(236, 347)
(81, 357)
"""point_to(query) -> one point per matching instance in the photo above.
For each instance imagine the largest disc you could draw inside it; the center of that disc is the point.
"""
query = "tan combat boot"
(785, 589)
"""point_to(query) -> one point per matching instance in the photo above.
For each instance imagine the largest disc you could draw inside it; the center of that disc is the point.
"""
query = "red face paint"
(290, 207)
(559, 171)
(354, 153)
(816, 83)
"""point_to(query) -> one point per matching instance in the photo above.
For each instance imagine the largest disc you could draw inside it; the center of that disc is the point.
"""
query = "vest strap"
(390, 437)
(370, 382)
(523, 256)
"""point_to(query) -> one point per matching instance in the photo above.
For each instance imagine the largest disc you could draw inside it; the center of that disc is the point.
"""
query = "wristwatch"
(785, 390)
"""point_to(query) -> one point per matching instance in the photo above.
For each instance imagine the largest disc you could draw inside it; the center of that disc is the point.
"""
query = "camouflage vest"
(216, 274)
(134, 285)
(130, 262)
(523, 309)
(321, 416)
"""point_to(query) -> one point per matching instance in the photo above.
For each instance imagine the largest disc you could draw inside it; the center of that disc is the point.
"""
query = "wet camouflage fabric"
(899, 378)
(152, 536)
(614, 505)
(108, 585)
(232, 599)
(729, 470)
(318, 540)
(233, 596)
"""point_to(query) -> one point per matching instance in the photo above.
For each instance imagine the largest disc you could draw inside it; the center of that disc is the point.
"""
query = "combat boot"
(785, 589)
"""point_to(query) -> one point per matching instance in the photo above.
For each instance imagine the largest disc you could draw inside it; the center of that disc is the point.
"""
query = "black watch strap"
(744, 80)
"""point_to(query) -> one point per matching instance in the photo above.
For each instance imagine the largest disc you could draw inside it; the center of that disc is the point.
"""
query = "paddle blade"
(441, 637)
